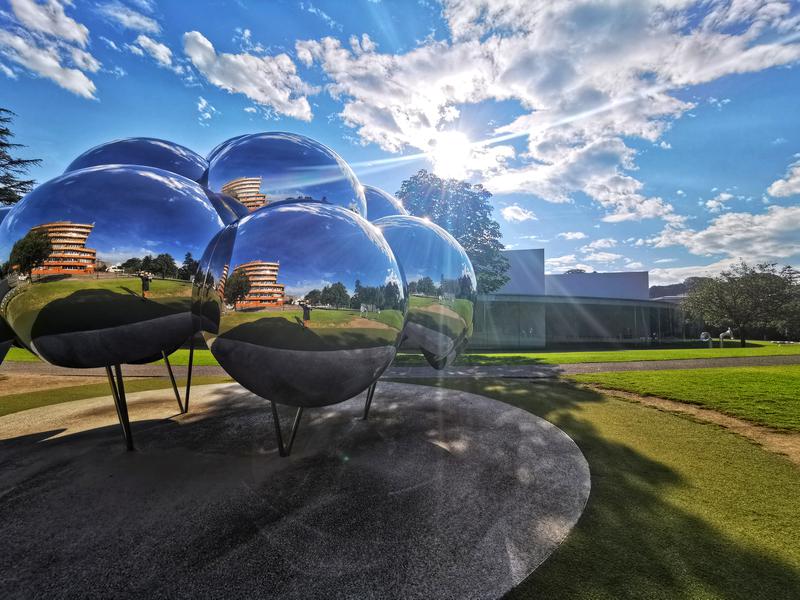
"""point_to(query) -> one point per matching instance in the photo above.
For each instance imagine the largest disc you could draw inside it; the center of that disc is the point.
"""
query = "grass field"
(678, 509)
(764, 395)
(16, 402)
(204, 357)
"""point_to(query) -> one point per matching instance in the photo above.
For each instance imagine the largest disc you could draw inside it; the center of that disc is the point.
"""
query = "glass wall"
(527, 322)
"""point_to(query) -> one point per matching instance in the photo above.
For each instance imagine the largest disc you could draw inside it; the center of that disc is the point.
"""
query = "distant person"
(306, 314)
(145, 284)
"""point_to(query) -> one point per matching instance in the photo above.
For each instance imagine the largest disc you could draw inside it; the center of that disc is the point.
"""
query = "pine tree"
(12, 186)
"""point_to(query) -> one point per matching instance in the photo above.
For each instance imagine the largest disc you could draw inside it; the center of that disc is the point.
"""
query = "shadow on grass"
(631, 542)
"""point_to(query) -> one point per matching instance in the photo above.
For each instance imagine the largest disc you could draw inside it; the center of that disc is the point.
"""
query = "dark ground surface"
(441, 494)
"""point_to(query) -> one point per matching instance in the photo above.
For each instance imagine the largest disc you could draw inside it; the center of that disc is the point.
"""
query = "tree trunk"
(742, 341)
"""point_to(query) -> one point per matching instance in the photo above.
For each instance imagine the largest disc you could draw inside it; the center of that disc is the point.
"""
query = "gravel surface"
(440, 494)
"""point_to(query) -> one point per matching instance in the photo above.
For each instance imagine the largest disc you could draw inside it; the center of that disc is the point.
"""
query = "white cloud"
(717, 203)
(765, 236)
(664, 261)
(588, 75)
(633, 265)
(602, 257)
(329, 21)
(49, 18)
(251, 109)
(517, 214)
(205, 110)
(158, 51)
(789, 185)
(110, 43)
(572, 235)
(665, 276)
(599, 244)
(7, 71)
(680, 193)
(129, 18)
(46, 61)
(268, 80)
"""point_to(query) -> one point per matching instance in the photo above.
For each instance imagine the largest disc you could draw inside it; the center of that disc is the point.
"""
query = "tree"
(12, 186)
(188, 268)
(132, 265)
(463, 210)
(426, 287)
(742, 297)
(237, 287)
(30, 252)
(164, 265)
(314, 297)
(335, 295)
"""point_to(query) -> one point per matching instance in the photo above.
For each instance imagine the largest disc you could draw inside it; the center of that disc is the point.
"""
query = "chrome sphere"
(441, 287)
(222, 145)
(301, 303)
(144, 152)
(65, 244)
(268, 168)
(381, 204)
(6, 333)
(228, 208)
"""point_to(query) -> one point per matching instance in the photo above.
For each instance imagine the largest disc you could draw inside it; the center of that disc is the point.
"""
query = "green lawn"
(17, 402)
(595, 356)
(678, 509)
(764, 395)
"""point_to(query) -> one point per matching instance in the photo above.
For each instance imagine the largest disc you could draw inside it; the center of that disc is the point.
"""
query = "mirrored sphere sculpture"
(228, 208)
(441, 287)
(6, 333)
(94, 257)
(263, 169)
(222, 145)
(301, 303)
(381, 204)
(144, 152)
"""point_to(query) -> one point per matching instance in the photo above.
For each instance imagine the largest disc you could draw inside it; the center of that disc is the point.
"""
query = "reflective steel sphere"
(144, 152)
(301, 303)
(222, 145)
(6, 333)
(94, 264)
(228, 208)
(268, 168)
(441, 287)
(381, 204)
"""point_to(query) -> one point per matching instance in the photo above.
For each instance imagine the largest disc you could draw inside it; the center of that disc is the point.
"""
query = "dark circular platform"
(441, 494)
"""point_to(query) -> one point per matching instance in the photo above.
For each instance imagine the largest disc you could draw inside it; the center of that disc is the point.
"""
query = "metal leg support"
(189, 375)
(118, 392)
(174, 385)
(285, 449)
(370, 395)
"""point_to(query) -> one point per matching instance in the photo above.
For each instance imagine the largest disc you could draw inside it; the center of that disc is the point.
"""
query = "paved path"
(440, 494)
(510, 371)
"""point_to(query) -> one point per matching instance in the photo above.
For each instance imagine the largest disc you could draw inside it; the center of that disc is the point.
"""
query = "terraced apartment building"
(264, 287)
(70, 254)
(246, 190)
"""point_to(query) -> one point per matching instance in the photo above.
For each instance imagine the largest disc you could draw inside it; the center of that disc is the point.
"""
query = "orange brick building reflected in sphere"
(70, 254)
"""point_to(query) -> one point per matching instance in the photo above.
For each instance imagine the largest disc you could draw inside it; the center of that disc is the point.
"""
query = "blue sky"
(633, 134)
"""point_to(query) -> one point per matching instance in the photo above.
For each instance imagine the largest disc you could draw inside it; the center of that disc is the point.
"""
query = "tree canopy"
(744, 297)
(13, 184)
(237, 286)
(464, 210)
(30, 251)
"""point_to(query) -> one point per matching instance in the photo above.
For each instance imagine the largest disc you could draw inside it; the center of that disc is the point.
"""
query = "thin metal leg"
(370, 395)
(285, 450)
(172, 379)
(189, 375)
(118, 392)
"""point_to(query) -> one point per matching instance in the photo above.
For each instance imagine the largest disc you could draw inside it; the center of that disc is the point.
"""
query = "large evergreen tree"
(13, 185)
(464, 210)
(30, 252)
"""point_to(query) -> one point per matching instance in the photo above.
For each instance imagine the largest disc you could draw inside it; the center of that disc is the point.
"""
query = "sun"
(450, 153)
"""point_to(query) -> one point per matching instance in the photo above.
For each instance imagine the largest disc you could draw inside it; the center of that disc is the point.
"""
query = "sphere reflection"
(144, 152)
(6, 333)
(301, 303)
(268, 168)
(93, 264)
(441, 287)
(381, 204)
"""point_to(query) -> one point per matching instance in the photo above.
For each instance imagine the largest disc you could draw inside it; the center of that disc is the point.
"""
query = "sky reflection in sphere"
(144, 152)
(263, 340)
(381, 204)
(269, 168)
(441, 286)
